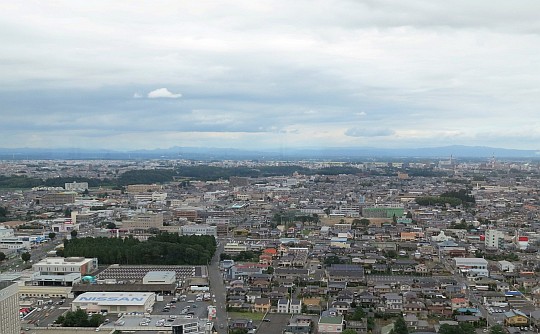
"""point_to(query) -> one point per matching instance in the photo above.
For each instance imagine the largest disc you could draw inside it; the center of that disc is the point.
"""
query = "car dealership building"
(115, 302)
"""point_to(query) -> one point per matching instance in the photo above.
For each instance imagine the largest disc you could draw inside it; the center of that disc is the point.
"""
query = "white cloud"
(163, 93)
(369, 132)
(432, 71)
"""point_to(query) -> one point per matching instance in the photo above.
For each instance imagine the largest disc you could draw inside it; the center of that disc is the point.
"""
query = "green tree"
(497, 329)
(52, 235)
(74, 233)
(400, 327)
(462, 328)
(270, 270)
(67, 213)
(111, 225)
(358, 314)
(370, 324)
(349, 331)
(2, 256)
(238, 331)
(26, 256)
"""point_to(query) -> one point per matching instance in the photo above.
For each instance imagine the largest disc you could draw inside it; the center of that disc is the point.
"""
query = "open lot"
(246, 315)
(275, 325)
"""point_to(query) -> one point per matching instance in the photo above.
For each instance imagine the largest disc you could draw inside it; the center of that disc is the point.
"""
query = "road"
(218, 289)
(38, 253)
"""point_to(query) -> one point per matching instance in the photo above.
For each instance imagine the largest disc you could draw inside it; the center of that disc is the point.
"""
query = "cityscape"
(270, 167)
(248, 246)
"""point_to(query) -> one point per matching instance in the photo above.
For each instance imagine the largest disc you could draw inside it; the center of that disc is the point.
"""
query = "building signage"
(112, 299)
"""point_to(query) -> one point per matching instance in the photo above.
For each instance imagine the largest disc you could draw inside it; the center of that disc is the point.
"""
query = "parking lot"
(197, 309)
(45, 314)
(273, 323)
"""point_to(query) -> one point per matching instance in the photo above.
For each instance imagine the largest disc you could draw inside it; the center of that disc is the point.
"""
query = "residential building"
(295, 306)
(472, 266)
(331, 324)
(494, 239)
(57, 198)
(9, 308)
(283, 306)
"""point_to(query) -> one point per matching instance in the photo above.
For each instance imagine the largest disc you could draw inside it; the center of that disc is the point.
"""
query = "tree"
(26, 256)
(270, 270)
(358, 314)
(497, 329)
(111, 225)
(2, 256)
(349, 331)
(74, 233)
(67, 212)
(400, 327)
(52, 235)
(238, 331)
(462, 328)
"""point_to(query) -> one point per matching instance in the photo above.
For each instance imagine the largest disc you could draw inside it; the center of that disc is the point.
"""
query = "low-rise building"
(115, 302)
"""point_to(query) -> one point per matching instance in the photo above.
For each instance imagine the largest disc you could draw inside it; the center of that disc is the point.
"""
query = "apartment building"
(9, 308)
(57, 198)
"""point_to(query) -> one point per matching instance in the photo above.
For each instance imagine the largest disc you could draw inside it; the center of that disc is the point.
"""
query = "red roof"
(271, 251)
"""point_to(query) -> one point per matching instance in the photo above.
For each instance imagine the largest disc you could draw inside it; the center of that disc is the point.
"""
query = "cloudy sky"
(269, 74)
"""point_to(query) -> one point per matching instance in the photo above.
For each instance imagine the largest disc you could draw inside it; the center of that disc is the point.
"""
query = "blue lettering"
(112, 299)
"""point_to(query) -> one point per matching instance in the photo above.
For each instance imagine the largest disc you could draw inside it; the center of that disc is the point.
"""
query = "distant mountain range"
(206, 153)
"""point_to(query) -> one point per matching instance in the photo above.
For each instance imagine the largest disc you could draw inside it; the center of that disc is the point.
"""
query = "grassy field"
(246, 315)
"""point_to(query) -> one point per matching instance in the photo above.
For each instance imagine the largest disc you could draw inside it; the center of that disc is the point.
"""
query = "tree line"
(200, 172)
(454, 198)
(162, 249)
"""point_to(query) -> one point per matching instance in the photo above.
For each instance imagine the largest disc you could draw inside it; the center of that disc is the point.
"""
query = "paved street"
(218, 289)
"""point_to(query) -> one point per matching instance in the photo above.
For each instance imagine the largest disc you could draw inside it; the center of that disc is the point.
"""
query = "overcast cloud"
(268, 74)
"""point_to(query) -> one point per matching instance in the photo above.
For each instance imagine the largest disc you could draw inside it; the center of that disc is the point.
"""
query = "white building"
(506, 266)
(76, 186)
(150, 197)
(472, 266)
(15, 243)
(10, 322)
(234, 248)
(283, 306)
(295, 306)
(218, 220)
(6, 232)
(62, 271)
(115, 302)
(197, 229)
(64, 225)
(494, 239)
(160, 277)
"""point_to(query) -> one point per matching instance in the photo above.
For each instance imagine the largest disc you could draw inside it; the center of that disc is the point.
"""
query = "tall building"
(10, 322)
(494, 239)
